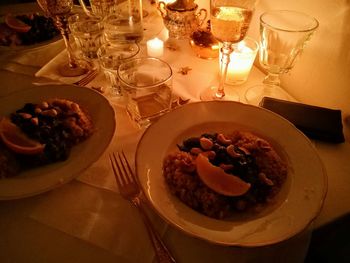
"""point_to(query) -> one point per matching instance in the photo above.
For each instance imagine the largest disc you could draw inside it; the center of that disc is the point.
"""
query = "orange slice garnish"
(16, 24)
(216, 179)
(16, 140)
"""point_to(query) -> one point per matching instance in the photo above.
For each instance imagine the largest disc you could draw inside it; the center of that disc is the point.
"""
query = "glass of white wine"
(59, 10)
(230, 20)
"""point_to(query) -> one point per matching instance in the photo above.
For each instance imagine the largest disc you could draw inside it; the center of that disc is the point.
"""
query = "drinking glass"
(230, 20)
(59, 10)
(87, 32)
(110, 56)
(126, 23)
(146, 84)
(283, 36)
(101, 8)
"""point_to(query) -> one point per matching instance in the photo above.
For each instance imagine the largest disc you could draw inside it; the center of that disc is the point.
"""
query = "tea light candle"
(166, 1)
(241, 62)
(155, 47)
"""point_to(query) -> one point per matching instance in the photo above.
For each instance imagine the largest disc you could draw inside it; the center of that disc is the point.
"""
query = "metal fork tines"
(87, 78)
(130, 190)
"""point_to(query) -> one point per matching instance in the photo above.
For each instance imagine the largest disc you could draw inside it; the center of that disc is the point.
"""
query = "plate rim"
(85, 167)
(236, 244)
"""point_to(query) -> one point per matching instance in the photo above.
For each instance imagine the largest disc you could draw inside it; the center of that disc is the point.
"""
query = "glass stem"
(226, 51)
(62, 25)
(82, 4)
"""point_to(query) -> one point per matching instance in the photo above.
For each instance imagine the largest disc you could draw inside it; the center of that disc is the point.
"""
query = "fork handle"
(162, 253)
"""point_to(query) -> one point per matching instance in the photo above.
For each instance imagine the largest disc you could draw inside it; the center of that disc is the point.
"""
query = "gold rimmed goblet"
(59, 10)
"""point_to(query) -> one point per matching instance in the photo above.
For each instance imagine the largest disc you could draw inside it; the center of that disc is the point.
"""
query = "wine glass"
(230, 20)
(283, 36)
(59, 10)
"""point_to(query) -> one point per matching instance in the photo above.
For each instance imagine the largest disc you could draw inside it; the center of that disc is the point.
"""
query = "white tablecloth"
(87, 220)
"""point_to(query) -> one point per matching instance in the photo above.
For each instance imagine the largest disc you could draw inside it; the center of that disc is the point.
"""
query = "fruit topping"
(218, 180)
(16, 140)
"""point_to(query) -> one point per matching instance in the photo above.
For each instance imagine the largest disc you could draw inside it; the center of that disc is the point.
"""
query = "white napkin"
(100, 217)
(50, 70)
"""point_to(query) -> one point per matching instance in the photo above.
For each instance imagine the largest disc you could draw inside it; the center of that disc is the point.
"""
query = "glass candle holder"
(241, 61)
(155, 47)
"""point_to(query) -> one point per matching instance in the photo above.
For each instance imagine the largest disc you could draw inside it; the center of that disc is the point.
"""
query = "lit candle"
(168, 1)
(241, 61)
(165, 1)
(155, 47)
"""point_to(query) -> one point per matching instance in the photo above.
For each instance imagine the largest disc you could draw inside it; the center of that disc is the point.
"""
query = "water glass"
(110, 56)
(100, 8)
(283, 37)
(87, 32)
(126, 24)
(147, 86)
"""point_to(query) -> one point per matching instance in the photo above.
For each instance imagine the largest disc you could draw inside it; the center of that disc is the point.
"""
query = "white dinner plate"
(297, 204)
(30, 9)
(44, 178)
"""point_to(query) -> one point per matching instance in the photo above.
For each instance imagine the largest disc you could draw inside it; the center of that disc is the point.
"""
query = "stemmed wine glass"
(59, 11)
(230, 20)
(283, 35)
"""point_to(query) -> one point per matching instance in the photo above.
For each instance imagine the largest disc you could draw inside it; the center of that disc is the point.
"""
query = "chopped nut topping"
(50, 112)
(231, 151)
(221, 138)
(44, 105)
(206, 143)
(263, 178)
(35, 120)
(25, 115)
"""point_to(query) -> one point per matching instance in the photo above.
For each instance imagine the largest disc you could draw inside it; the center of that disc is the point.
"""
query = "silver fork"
(130, 190)
(87, 78)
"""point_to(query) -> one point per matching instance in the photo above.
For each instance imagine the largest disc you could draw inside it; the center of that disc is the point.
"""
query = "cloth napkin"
(315, 122)
(50, 70)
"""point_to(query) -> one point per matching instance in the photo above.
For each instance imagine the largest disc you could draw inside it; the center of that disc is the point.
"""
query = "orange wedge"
(216, 179)
(16, 140)
(16, 24)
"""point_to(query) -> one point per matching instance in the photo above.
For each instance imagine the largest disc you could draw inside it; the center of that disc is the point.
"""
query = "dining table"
(87, 220)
